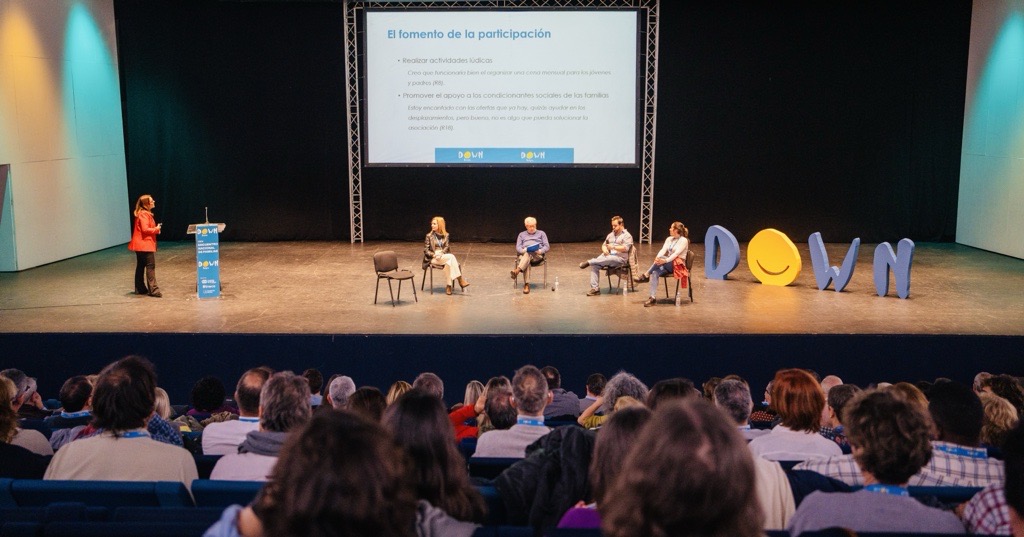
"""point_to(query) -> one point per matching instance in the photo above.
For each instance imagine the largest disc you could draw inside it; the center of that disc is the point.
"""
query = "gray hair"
(431, 383)
(733, 397)
(284, 402)
(622, 384)
(340, 390)
(22, 383)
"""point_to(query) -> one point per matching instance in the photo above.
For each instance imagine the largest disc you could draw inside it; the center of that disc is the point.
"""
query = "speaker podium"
(207, 258)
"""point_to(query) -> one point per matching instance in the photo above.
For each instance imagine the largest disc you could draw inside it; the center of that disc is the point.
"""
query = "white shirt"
(785, 444)
(510, 443)
(223, 438)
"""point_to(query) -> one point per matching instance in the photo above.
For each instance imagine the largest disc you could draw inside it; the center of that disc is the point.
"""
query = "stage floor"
(328, 288)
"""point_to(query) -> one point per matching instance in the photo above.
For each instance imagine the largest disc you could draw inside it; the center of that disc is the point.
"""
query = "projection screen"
(556, 88)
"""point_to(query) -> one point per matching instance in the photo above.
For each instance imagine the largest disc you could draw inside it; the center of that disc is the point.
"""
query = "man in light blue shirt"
(531, 246)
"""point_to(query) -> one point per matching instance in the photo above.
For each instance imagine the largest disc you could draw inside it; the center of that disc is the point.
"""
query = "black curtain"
(840, 117)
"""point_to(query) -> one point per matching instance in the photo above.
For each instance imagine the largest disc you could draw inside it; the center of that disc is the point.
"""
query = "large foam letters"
(900, 262)
(720, 239)
(823, 273)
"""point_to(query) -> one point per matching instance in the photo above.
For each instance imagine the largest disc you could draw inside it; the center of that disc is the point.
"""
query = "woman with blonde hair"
(397, 390)
(143, 243)
(16, 462)
(437, 250)
(1000, 418)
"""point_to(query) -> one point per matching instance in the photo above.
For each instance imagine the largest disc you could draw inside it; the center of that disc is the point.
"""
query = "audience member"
(619, 385)
(316, 382)
(419, 424)
(798, 399)
(162, 404)
(224, 437)
(1000, 418)
(207, 398)
(988, 512)
(911, 393)
(76, 411)
(689, 473)
(16, 462)
(122, 401)
(765, 417)
(464, 417)
(283, 408)
(29, 439)
(530, 395)
(341, 475)
(498, 409)
(340, 390)
(483, 421)
(617, 436)
(431, 383)
(836, 400)
(397, 390)
(28, 404)
(595, 385)
(733, 397)
(369, 402)
(564, 405)
(827, 383)
(979, 381)
(957, 460)
(889, 436)
(474, 389)
(709, 387)
(1008, 388)
(667, 389)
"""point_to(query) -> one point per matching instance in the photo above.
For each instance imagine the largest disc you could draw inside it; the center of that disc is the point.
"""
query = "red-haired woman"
(798, 399)
(143, 243)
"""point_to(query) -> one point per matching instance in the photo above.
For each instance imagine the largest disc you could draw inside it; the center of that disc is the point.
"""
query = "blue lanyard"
(521, 420)
(891, 490)
(73, 415)
(249, 420)
(135, 434)
(962, 451)
(437, 240)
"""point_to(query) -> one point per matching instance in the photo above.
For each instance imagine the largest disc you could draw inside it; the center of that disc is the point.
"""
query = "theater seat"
(217, 493)
(33, 492)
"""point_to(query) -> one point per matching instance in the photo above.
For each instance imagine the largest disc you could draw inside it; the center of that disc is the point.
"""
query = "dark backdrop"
(841, 117)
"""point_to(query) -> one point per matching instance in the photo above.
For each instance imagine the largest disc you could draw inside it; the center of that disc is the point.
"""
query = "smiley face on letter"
(773, 258)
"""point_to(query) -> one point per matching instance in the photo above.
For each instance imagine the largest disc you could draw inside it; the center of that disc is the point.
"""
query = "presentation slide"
(501, 87)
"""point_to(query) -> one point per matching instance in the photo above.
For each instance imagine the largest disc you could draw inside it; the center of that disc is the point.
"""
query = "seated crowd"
(670, 459)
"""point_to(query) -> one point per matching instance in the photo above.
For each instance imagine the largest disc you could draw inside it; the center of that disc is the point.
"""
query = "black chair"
(618, 271)
(386, 265)
(542, 262)
(432, 267)
(689, 284)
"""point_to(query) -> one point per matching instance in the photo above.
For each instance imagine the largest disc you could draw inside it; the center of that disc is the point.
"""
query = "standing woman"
(437, 249)
(143, 243)
(674, 250)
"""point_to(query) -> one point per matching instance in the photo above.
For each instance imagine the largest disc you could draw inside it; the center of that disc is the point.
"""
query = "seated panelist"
(531, 245)
(437, 250)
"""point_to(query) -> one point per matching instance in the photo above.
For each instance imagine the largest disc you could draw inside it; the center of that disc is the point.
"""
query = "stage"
(310, 304)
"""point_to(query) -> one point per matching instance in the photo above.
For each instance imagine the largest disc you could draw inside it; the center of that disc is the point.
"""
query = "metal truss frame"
(648, 9)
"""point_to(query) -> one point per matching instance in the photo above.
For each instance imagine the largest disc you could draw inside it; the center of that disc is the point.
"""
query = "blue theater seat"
(216, 493)
(489, 467)
(33, 492)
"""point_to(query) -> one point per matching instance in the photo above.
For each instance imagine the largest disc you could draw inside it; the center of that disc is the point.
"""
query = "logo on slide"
(470, 155)
(530, 156)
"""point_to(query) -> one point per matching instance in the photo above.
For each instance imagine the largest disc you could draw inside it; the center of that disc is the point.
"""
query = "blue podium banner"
(208, 260)
(503, 155)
